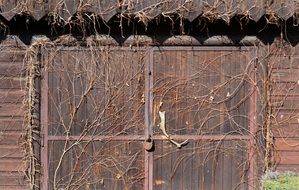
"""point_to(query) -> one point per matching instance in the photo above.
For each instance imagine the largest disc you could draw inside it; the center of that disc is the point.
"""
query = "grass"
(282, 182)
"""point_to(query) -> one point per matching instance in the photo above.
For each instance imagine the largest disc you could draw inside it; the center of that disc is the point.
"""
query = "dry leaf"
(159, 181)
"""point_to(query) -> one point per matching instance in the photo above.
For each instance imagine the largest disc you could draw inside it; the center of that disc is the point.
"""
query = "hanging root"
(163, 129)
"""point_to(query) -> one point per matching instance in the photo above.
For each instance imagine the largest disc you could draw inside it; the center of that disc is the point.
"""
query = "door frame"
(148, 114)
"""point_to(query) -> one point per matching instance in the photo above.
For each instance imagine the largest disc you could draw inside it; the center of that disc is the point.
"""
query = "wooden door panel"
(202, 92)
(103, 106)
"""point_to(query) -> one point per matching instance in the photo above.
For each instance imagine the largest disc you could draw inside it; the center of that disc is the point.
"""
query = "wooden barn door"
(203, 118)
(101, 110)
(93, 118)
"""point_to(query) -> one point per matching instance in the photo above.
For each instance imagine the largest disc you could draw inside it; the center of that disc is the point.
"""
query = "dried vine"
(82, 116)
(32, 137)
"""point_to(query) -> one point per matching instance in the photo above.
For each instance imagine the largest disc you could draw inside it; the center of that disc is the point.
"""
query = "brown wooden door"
(208, 98)
(93, 119)
(100, 105)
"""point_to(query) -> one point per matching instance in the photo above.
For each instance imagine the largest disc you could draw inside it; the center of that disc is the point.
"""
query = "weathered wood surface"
(182, 118)
(12, 95)
(284, 100)
(204, 91)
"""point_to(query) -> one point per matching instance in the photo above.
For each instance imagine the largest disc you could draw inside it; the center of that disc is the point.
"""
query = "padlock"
(149, 144)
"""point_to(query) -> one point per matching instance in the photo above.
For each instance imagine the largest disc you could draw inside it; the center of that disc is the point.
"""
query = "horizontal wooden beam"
(142, 137)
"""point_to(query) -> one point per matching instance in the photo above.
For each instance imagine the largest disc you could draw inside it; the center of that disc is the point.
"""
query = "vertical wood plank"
(158, 180)
(227, 167)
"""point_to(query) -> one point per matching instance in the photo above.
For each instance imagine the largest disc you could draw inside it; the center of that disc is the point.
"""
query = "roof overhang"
(149, 9)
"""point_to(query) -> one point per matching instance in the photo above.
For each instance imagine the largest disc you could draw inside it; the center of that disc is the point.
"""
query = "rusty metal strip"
(97, 138)
(151, 101)
(149, 156)
(146, 121)
(252, 128)
(155, 137)
(204, 137)
(44, 125)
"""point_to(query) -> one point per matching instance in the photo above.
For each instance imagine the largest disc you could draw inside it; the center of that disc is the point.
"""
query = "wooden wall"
(284, 70)
(12, 94)
(283, 66)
